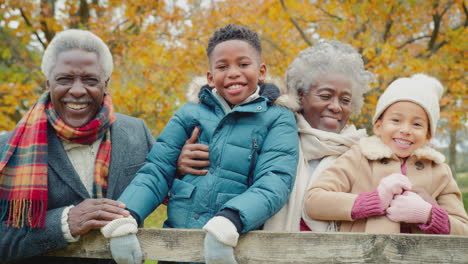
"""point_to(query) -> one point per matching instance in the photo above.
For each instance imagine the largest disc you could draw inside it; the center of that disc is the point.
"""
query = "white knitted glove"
(217, 252)
(220, 240)
(126, 249)
(124, 245)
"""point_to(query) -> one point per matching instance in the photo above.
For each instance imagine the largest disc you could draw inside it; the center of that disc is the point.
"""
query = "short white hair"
(329, 56)
(76, 39)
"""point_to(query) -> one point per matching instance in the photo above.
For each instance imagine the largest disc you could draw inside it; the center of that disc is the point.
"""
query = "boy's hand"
(391, 185)
(409, 208)
(126, 249)
(193, 156)
(124, 245)
(217, 252)
(220, 240)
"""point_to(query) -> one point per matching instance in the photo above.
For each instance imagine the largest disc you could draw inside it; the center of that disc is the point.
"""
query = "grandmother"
(325, 86)
(328, 81)
(68, 156)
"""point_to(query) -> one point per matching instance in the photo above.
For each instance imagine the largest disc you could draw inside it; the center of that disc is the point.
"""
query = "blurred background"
(159, 46)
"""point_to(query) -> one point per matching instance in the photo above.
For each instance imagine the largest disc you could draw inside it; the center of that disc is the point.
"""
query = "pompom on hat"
(421, 89)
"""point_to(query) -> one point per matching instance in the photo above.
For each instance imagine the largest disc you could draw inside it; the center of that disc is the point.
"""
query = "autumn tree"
(150, 69)
(159, 46)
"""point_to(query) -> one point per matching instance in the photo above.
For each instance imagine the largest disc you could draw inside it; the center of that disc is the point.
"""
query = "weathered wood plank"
(274, 247)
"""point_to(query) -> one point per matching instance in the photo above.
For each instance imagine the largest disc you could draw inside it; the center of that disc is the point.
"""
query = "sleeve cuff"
(66, 228)
(135, 216)
(439, 224)
(366, 205)
(233, 216)
(120, 227)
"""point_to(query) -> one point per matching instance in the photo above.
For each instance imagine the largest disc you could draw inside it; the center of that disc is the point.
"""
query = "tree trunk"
(453, 152)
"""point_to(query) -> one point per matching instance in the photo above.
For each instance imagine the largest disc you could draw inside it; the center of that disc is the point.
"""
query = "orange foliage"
(159, 46)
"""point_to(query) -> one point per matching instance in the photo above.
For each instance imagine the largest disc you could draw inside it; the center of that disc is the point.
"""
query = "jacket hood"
(373, 148)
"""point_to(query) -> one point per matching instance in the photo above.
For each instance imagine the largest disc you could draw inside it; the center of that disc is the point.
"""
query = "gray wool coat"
(131, 141)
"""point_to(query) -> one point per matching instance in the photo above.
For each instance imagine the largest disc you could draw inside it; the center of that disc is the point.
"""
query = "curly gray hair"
(329, 56)
(76, 39)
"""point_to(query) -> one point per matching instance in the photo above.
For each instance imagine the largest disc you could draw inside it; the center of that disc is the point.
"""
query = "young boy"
(253, 156)
(387, 183)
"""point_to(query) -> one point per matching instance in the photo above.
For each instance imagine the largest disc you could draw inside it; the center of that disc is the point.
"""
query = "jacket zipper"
(253, 155)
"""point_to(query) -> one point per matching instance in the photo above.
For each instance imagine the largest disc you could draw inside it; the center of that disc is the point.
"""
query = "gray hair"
(76, 39)
(329, 56)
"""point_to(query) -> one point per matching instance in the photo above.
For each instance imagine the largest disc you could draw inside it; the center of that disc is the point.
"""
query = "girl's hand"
(391, 185)
(425, 195)
(409, 208)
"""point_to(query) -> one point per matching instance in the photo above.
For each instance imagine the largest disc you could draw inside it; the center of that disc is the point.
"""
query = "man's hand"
(94, 213)
(193, 156)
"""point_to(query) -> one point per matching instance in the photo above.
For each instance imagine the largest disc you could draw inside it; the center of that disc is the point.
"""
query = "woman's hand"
(193, 156)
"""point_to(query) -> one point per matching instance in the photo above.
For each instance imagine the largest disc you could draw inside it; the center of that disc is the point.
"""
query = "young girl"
(381, 185)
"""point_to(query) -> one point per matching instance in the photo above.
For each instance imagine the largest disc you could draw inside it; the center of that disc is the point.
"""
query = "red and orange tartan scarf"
(23, 161)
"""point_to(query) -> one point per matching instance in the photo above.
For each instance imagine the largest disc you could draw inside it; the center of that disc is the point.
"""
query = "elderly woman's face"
(327, 104)
(77, 86)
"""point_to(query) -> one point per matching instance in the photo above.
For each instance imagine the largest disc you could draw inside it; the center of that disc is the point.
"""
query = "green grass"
(465, 200)
(156, 219)
(462, 181)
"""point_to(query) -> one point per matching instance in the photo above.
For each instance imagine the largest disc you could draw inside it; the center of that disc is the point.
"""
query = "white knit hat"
(421, 89)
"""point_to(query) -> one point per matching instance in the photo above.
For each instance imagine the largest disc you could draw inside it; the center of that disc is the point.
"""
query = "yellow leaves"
(6, 54)
(158, 46)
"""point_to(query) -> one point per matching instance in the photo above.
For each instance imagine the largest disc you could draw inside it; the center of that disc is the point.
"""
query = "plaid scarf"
(23, 162)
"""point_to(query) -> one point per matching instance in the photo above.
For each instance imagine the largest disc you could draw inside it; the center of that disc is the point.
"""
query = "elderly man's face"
(77, 86)
(327, 104)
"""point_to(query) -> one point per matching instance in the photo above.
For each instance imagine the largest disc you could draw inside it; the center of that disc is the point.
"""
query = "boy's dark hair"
(234, 32)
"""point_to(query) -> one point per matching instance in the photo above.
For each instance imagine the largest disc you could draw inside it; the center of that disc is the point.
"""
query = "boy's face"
(404, 127)
(235, 70)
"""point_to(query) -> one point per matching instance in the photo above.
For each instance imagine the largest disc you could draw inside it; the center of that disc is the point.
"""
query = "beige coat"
(361, 169)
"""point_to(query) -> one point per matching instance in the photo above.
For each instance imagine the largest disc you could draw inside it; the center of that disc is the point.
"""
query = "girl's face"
(404, 127)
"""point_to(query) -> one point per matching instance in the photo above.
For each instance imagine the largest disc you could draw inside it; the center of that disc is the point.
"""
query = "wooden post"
(186, 245)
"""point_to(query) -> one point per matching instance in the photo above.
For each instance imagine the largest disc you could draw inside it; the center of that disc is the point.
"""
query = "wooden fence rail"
(281, 247)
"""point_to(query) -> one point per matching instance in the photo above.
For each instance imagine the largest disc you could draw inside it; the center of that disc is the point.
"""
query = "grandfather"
(67, 154)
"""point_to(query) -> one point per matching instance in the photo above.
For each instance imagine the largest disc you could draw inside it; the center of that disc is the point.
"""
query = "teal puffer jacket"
(253, 156)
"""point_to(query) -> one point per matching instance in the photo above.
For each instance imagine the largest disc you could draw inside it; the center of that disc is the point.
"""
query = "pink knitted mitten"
(409, 208)
(392, 185)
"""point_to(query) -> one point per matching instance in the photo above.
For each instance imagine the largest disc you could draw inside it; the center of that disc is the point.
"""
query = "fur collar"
(289, 101)
(374, 149)
(194, 88)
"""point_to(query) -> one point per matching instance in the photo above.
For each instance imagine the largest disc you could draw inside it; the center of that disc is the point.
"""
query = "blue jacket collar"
(268, 94)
